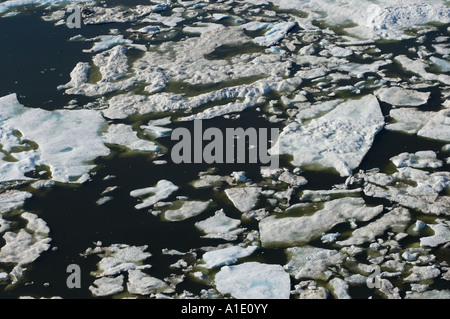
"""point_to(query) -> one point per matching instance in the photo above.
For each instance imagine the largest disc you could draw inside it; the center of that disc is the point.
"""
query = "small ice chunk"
(162, 190)
(244, 198)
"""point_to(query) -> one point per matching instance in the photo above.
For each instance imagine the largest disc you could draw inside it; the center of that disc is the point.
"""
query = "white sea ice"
(12, 199)
(9, 4)
(412, 188)
(438, 127)
(369, 21)
(419, 67)
(187, 210)
(254, 280)
(408, 120)
(155, 128)
(275, 33)
(220, 226)
(143, 284)
(169, 21)
(105, 42)
(443, 65)
(325, 195)
(397, 220)
(309, 262)
(243, 198)
(160, 191)
(123, 135)
(420, 273)
(113, 63)
(400, 17)
(340, 139)
(23, 248)
(441, 235)
(107, 286)
(429, 294)
(61, 136)
(359, 70)
(226, 256)
(399, 96)
(276, 231)
(421, 159)
(118, 258)
(339, 288)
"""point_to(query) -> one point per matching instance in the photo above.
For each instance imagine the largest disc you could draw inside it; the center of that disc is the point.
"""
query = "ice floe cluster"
(315, 68)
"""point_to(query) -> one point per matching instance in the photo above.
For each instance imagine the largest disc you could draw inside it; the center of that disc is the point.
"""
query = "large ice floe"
(339, 139)
(66, 152)
(335, 220)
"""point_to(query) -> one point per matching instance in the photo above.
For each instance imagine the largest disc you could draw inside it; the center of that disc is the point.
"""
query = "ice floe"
(408, 120)
(276, 231)
(10, 4)
(340, 139)
(410, 187)
(12, 199)
(244, 198)
(160, 191)
(61, 136)
(369, 21)
(275, 33)
(421, 159)
(397, 219)
(220, 226)
(123, 135)
(309, 262)
(253, 280)
(226, 256)
(402, 97)
(187, 210)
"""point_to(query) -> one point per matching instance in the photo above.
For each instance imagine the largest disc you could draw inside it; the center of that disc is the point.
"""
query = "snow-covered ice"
(61, 136)
(160, 191)
(244, 198)
(340, 139)
(226, 256)
(399, 96)
(220, 226)
(276, 231)
(254, 280)
(421, 159)
(123, 135)
(187, 210)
